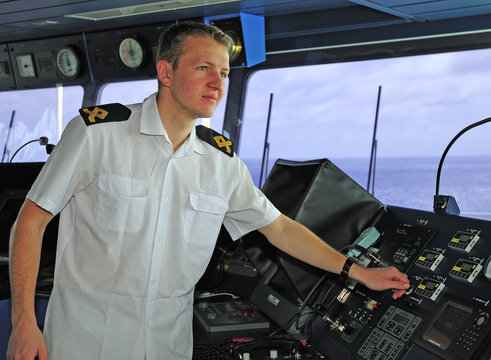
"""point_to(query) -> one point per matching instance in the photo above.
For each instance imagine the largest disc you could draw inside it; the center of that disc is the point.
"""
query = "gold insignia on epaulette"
(215, 139)
(97, 112)
(221, 142)
(105, 113)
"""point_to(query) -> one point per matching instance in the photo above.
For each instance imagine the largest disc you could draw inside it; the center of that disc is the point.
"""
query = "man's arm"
(298, 241)
(26, 340)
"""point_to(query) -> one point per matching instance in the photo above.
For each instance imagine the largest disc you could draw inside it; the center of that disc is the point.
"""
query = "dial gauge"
(25, 64)
(131, 52)
(67, 62)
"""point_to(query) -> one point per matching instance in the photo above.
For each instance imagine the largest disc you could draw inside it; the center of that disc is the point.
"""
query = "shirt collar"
(195, 143)
(151, 124)
(150, 120)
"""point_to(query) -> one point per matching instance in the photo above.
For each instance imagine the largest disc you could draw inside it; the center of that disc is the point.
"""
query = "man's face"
(198, 83)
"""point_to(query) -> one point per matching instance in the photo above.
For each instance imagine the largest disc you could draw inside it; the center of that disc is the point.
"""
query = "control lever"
(336, 325)
(377, 259)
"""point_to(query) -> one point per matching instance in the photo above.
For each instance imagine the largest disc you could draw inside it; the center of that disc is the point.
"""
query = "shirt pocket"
(121, 203)
(204, 218)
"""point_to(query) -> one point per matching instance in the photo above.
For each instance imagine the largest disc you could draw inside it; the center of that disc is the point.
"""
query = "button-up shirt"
(138, 226)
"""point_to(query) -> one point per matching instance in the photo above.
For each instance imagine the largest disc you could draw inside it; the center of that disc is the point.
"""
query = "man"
(142, 195)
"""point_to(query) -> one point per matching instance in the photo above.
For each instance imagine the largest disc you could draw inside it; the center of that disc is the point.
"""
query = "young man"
(142, 195)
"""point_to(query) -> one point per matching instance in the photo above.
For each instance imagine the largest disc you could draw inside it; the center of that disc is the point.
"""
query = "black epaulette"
(105, 113)
(215, 139)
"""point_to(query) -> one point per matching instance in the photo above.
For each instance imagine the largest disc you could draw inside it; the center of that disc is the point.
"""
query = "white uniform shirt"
(138, 226)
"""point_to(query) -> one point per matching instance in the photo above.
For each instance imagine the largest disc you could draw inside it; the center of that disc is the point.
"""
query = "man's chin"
(205, 114)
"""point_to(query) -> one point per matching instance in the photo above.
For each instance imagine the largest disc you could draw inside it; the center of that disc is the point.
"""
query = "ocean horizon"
(411, 182)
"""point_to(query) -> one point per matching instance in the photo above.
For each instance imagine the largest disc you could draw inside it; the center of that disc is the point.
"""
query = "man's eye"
(224, 75)
(202, 67)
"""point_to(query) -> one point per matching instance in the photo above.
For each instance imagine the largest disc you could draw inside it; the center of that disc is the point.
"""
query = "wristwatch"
(347, 266)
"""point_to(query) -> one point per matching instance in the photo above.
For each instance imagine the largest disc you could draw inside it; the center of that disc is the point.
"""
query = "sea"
(411, 182)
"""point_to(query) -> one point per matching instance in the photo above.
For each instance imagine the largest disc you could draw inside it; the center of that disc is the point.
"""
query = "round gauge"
(67, 62)
(131, 52)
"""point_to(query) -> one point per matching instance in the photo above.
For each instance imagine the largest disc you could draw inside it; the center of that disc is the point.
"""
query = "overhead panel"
(124, 53)
(430, 10)
(448, 13)
(46, 62)
(387, 9)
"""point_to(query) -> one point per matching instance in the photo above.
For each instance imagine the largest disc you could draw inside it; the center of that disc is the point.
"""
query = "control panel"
(445, 314)
(274, 348)
(404, 243)
(389, 338)
(457, 329)
(229, 316)
(430, 259)
(466, 269)
(464, 240)
(447, 308)
(429, 288)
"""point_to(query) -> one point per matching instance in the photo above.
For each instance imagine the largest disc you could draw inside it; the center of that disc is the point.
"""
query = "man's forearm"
(24, 265)
(24, 257)
(298, 241)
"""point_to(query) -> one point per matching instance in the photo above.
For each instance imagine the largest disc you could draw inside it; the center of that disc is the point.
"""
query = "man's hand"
(383, 278)
(26, 342)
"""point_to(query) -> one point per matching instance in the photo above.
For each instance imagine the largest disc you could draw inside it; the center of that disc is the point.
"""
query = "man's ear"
(164, 72)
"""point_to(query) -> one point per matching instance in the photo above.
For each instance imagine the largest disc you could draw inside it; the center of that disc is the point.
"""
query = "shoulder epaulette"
(215, 139)
(105, 113)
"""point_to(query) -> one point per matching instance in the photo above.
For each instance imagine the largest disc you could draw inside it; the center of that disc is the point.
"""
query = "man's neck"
(177, 126)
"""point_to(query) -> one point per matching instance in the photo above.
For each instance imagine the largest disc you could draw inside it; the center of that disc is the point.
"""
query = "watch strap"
(346, 267)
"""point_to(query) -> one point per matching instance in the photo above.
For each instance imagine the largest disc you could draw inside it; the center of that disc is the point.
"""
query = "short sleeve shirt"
(138, 225)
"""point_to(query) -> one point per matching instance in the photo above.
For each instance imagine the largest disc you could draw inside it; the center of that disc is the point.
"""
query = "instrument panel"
(444, 315)
(79, 59)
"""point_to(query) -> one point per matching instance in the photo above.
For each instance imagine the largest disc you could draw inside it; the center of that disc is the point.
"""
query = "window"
(128, 92)
(329, 110)
(31, 114)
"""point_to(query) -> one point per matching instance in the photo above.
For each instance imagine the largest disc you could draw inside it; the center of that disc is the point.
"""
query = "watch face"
(67, 62)
(131, 52)
(25, 64)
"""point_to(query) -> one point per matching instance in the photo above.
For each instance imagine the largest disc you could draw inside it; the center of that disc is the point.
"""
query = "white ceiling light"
(160, 6)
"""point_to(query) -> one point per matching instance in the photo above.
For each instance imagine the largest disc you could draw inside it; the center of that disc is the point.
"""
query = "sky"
(330, 109)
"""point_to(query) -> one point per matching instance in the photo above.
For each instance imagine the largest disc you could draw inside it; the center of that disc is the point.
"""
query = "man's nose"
(217, 82)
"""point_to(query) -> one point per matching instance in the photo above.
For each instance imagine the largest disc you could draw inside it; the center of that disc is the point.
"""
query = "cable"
(448, 148)
(43, 140)
(207, 295)
(299, 313)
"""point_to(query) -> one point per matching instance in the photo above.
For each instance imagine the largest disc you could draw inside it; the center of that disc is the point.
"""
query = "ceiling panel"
(457, 13)
(33, 19)
(444, 6)
(432, 10)
(11, 7)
